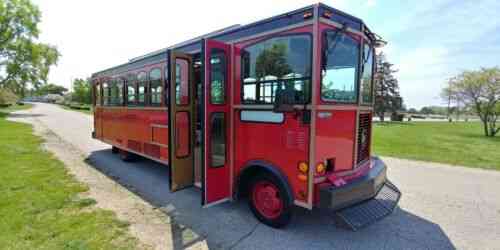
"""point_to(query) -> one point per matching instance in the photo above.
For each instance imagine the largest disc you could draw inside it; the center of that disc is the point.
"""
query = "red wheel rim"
(267, 200)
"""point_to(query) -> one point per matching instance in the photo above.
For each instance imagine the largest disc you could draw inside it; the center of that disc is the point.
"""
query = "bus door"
(216, 179)
(181, 122)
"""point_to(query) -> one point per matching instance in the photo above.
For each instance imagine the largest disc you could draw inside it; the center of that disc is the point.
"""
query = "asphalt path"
(442, 207)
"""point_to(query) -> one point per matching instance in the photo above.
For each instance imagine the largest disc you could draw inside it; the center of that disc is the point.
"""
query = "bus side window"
(97, 94)
(166, 82)
(181, 82)
(156, 87)
(131, 90)
(141, 88)
(218, 77)
(105, 94)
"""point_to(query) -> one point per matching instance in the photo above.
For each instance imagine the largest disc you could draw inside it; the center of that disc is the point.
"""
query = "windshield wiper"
(331, 47)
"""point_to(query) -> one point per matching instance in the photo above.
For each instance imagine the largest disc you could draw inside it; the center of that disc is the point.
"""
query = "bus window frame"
(265, 38)
(138, 82)
(150, 70)
(374, 68)
(360, 40)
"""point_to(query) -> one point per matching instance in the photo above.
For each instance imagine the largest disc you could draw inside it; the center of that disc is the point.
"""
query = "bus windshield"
(340, 66)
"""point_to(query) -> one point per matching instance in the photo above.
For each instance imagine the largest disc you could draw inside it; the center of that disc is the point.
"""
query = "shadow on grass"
(232, 225)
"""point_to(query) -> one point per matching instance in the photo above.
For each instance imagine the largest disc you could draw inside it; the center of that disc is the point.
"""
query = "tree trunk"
(486, 129)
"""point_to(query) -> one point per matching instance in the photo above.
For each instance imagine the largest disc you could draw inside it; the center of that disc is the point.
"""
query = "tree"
(81, 91)
(272, 61)
(387, 98)
(23, 60)
(480, 89)
(413, 111)
(51, 89)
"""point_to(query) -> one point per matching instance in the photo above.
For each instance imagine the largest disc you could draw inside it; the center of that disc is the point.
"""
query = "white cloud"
(421, 74)
(93, 35)
(371, 3)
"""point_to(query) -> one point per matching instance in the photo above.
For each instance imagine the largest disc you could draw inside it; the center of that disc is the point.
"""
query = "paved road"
(442, 207)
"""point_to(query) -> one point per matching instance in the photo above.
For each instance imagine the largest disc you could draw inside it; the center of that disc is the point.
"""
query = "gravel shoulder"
(443, 207)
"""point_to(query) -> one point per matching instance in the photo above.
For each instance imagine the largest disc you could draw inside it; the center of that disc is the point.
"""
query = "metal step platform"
(369, 211)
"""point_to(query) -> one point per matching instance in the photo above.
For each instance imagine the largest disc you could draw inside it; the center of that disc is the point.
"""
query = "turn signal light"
(308, 14)
(303, 167)
(320, 168)
(302, 177)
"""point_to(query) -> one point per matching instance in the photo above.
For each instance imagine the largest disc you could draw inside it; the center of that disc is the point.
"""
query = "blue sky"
(429, 41)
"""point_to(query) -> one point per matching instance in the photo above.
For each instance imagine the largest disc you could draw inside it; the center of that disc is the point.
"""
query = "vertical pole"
(314, 88)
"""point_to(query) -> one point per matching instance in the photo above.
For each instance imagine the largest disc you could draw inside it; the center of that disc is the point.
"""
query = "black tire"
(284, 216)
(127, 156)
(115, 150)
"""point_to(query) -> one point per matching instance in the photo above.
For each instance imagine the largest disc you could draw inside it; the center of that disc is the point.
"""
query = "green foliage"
(479, 89)
(272, 61)
(82, 92)
(23, 60)
(40, 205)
(7, 97)
(458, 143)
(387, 98)
(51, 89)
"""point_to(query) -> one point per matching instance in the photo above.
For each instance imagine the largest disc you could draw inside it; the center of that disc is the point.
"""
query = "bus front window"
(340, 66)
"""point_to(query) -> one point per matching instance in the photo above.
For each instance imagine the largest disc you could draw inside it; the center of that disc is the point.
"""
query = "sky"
(429, 41)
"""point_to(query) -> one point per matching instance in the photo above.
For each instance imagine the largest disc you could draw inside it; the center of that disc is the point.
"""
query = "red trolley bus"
(278, 111)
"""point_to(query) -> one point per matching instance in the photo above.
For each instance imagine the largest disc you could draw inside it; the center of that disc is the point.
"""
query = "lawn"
(85, 111)
(458, 143)
(41, 205)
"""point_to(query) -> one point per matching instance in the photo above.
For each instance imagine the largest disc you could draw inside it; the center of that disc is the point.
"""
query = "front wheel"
(269, 201)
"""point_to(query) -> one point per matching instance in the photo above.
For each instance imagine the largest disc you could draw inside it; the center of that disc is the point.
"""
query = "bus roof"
(232, 33)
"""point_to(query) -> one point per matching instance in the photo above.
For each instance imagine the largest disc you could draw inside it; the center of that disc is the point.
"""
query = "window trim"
(357, 83)
(242, 84)
(226, 72)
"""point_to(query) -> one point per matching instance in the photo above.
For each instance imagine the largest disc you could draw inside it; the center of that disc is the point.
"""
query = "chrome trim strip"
(301, 204)
(216, 203)
(159, 126)
(134, 107)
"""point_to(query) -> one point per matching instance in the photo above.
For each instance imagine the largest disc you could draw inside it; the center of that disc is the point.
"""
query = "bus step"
(370, 211)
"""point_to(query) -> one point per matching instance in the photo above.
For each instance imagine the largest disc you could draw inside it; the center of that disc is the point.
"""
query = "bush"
(7, 98)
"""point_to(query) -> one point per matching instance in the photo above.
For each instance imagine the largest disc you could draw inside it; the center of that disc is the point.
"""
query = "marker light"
(308, 14)
(302, 177)
(320, 168)
(303, 167)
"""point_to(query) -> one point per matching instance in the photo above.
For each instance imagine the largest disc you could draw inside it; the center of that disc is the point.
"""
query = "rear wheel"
(126, 156)
(269, 201)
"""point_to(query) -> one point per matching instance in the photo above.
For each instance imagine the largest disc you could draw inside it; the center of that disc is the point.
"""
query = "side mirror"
(285, 99)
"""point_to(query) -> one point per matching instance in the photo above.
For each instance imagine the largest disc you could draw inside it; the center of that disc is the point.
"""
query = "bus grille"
(364, 137)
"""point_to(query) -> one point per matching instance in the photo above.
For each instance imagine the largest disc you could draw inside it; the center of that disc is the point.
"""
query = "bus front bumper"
(363, 200)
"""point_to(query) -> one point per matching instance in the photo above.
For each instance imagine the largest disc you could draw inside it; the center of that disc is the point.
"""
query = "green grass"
(88, 112)
(40, 206)
(458, 143)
